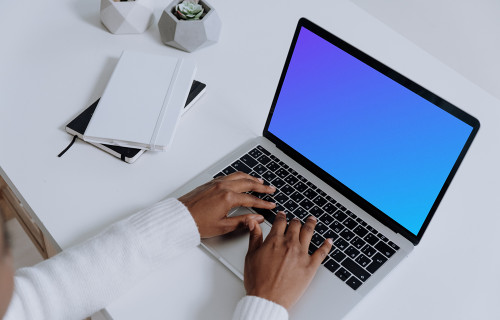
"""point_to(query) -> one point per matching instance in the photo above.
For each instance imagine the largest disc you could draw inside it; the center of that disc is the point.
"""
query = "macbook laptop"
(367, 151)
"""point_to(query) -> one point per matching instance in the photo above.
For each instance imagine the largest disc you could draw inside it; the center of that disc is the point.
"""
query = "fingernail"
(261, 181)
(311, 218)
(282, 213)
(330, 240)
(273, 187)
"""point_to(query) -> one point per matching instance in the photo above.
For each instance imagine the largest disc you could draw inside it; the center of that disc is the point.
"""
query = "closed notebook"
(142, 102)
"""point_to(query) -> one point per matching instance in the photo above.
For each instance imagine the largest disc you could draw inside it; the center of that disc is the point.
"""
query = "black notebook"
(78, 125)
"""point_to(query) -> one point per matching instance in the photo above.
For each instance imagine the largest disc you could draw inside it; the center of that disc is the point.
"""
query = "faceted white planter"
(189, 35)
(125, 17)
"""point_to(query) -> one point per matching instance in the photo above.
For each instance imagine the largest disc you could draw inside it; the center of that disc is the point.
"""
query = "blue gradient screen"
(381, 140)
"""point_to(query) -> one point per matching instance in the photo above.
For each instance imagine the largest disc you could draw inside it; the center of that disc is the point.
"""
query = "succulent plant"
(189, 10)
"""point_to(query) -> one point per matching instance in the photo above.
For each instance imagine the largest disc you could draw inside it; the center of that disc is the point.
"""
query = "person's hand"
(280, 269)
(210, 203)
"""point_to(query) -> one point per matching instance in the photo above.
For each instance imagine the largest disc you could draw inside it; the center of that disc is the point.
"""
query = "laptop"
(366, 150)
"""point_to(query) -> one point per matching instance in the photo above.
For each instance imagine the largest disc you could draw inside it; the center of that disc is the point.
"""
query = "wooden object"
(12, 207)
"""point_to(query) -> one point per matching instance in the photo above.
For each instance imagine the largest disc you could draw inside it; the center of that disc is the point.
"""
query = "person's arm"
(84, 279)
(279, 269)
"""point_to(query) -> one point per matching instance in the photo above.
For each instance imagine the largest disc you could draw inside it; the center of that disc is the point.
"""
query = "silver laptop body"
(327, 295)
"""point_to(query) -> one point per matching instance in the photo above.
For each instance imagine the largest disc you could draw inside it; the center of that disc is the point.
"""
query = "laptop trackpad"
(232, 248)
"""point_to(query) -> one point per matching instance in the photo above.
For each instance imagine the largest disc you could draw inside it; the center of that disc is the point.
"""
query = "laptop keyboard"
(358, 249)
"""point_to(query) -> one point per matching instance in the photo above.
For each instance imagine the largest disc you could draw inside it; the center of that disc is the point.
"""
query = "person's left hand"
(210, 203)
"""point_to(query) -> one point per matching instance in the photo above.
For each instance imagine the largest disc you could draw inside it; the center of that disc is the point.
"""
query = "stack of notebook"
(141, 105)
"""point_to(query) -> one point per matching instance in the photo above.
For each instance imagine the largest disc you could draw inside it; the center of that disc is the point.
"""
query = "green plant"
(189, 10)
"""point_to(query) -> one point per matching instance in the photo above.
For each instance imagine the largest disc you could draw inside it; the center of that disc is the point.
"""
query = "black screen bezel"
(394, 75)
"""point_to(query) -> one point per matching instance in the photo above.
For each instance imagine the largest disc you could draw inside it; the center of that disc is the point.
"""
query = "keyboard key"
(330, 208)
(320, 228)
(310, 194)
(290, 205)
(350, 223)
(347, 234)
(330, 234)
(273, 166)
(336, 226)
(268, 176)
(249, 161)
(267, 214)
(240, 166)
(368, 250)
(255, 153)
(393, 245)
(326, 219)
(286, 189)
(320, 200)
(339, 215)
(300, 213)
(350, 214)
(342, 244)
(291, 180)
(282, 173)
(355, 269)
(316, 211)
(261, 148)
(337, 255)
(280, 197)
(264, 159)
(278, 183)
(378, 261)
(317, 240)
(220, 174)
(358, 243)
(331, 265)
(297, 197)
(307, 204)
(342, 274)
(351, 252)
(360, 231)
(385, 249)
(363, 260)
(371, 239)
(228, 170)
(259, 169)
(300, 186)
(353, 282)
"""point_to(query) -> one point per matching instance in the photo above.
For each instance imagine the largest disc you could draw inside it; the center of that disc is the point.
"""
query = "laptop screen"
(381, 140)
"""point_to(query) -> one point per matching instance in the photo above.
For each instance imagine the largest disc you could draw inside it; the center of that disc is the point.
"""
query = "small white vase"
(125, 17)
(189, 35)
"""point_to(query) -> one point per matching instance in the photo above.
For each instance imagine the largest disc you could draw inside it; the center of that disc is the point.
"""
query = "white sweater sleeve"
(255, 308)
(84, 279)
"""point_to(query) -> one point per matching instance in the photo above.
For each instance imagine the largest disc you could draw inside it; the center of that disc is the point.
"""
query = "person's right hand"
(280, 268)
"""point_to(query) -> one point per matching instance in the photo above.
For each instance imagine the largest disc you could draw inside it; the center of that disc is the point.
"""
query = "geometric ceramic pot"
(124, 17)
(189, 35)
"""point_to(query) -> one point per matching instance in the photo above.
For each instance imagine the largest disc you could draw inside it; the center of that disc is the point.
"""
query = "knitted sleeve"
(83, 279)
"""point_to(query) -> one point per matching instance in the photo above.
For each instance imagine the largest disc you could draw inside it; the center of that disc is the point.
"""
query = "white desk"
(56, 58)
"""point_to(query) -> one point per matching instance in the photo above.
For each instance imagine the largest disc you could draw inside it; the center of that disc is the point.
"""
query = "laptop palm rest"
(232, 248)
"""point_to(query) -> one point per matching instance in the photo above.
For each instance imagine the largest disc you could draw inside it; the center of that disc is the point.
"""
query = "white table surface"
(56, 58)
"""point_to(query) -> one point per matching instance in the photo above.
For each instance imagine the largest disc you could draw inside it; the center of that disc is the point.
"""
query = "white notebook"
(142, 102)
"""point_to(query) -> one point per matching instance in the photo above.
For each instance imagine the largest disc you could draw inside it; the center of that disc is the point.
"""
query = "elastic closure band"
(166, 102)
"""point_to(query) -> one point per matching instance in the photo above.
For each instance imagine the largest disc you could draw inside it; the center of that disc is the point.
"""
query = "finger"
(293, 230)
(279, 224)
(233, 223)
(245, 185)
(307, 231)
(241, 175)
(247, 200)
(255, 240)
(319, 255)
